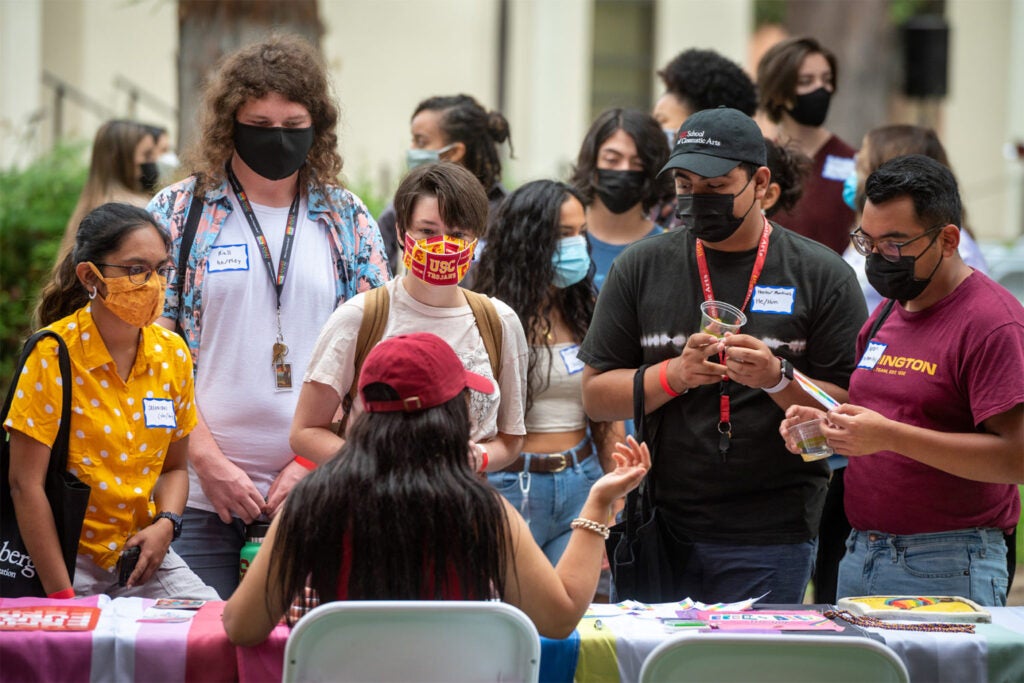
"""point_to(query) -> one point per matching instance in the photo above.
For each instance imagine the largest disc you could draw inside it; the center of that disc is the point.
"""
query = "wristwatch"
(175, 521)
(787, 377)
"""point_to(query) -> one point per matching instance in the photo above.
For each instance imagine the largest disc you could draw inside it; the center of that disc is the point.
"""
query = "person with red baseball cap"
(401, 515)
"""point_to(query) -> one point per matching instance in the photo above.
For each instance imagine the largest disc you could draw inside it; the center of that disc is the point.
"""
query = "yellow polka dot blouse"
(120, 430)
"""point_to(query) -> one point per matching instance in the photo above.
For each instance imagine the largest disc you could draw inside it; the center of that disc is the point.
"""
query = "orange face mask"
(438, 260)
(137, 305)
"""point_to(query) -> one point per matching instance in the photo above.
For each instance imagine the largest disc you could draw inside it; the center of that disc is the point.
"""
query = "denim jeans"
(211, 548)
(720, 572)
(970, 563)
(552, 500)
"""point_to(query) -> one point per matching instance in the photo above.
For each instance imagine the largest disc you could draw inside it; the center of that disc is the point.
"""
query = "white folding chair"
(398, 641)
(772, 658)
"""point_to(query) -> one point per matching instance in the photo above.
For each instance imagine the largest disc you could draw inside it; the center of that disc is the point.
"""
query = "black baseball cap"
(712, 142)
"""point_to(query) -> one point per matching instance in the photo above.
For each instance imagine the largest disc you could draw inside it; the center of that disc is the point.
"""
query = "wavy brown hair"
(284, 64)
(779, 69)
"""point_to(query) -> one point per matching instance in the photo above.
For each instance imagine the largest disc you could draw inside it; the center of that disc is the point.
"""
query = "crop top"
(559, 407)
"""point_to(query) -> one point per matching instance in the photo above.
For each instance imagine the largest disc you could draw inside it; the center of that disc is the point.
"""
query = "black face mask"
(812, 108)
(896, 280)
(150, 174)
(620, 190)
(273, 153)
(710, 216)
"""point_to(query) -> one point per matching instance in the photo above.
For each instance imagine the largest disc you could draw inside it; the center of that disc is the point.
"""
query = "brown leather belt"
(551, 463)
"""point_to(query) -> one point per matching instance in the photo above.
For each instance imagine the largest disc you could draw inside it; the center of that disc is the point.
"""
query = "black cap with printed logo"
(712, 142)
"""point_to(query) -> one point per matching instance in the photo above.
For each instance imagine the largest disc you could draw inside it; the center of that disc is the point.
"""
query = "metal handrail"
(137, 93)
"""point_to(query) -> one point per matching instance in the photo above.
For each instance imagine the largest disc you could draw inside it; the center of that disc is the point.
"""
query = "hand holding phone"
(126, 564)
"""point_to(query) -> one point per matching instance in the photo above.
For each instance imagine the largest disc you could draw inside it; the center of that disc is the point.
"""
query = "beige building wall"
(21, 52)
(984, 111)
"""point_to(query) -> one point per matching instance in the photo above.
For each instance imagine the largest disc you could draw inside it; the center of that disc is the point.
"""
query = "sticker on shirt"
(872, 354)
(159, 412)
(838, 168)
(226, 257)
(776, 300)
(572, 363)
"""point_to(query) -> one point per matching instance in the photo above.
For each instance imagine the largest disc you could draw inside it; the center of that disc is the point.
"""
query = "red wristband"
(663, 376)
(483, 459)
(305, 462)
(65, 594)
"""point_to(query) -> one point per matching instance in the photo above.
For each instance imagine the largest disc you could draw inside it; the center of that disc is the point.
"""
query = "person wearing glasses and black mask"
(934, 427)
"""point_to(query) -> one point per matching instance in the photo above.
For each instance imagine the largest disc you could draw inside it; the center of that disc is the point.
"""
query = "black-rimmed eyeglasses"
(139, 274)
(890, 250)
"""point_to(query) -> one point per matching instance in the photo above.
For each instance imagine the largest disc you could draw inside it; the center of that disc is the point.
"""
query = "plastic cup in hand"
(811, 441)
(718, 317)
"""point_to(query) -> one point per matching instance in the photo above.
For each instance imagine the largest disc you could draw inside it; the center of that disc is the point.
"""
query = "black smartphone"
(126, 564)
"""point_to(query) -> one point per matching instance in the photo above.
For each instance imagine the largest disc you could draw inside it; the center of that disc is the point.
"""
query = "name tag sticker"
(872, 354)
(159, 412)
(572, 363)
(224, 257)
(838, 168)
(777, 300)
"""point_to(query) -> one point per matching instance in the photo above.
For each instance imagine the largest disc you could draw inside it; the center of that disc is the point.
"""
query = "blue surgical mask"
(418, 157)
(571, 260)
(850, 190)
(670, 135)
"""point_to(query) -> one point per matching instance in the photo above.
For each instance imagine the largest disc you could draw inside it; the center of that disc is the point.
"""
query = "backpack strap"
(489, 323)
(188, 238)
(376, 307)
(881, 318)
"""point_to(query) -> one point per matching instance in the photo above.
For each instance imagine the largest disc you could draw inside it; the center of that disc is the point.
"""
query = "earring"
(92, 294)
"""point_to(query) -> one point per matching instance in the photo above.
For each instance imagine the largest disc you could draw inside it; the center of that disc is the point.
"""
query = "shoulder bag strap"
(59, 449)
(886, 310)
(489, 323)
(640, 501)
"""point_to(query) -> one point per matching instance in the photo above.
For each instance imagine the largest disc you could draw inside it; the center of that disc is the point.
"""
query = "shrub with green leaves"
(35, 204)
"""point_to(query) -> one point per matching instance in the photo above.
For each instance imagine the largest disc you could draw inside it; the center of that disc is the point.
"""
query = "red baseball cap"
(422, 368)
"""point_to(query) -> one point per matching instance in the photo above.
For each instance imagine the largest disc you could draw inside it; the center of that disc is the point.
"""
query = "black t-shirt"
(807, 307)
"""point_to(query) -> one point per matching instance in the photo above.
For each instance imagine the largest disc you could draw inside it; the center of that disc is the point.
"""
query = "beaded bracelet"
(874, 622)
(590, 525)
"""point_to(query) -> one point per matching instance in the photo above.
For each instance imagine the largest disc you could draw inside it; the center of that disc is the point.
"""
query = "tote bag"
(68, 496)
(646, 559)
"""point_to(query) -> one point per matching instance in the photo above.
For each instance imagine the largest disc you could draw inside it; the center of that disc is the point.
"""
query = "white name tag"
(226, 257)
(572, 363)
(159, 412)
(872, 354)
(838, 168)
(773, 299)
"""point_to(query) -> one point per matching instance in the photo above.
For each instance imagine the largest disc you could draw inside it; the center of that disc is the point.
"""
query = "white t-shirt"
(335, 351)
(235, 384)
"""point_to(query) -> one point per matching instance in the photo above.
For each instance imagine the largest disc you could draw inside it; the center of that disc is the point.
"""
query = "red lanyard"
(724, 423)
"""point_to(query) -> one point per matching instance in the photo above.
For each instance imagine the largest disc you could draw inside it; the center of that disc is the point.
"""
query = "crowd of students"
(256, 346)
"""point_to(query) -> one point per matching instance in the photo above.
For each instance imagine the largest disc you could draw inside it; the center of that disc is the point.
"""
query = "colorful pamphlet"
(947, 608)
(49, 618)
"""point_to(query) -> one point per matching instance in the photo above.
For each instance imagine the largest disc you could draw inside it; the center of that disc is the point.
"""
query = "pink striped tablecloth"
(122, 648)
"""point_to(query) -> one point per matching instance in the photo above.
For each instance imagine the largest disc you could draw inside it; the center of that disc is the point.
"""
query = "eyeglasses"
(891, 251)
(139, 274)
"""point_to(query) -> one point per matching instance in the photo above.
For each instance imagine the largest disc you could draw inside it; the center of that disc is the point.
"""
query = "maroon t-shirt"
(821, 213)
(947, 368)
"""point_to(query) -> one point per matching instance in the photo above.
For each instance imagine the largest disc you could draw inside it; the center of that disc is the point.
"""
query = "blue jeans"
(719, 572)
(970, 563)
(552, 500)
(211, 548)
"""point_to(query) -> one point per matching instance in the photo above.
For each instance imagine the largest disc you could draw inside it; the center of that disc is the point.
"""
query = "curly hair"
(779, 69)
(464, 120)
(650, 145)
(789, 167)
(704, 79)
(284, 64)
(517, 268)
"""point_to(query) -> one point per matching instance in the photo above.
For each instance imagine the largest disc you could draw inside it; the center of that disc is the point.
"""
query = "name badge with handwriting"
(225, 257)
(872, 354)
(572, 363)
(778, 300)
(159, 412)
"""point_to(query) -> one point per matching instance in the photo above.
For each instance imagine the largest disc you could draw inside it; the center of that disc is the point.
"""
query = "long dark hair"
(517, 268)
(464, 120)
(401, 502)
(100, 233)
(650, 146)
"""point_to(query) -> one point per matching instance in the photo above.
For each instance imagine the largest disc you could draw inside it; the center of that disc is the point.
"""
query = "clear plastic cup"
(718, 317)
(811, 441)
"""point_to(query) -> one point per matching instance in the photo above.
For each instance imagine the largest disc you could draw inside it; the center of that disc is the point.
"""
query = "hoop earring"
(92, 294)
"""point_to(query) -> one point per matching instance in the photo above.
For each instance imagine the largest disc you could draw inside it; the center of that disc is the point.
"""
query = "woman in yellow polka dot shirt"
(132, 410)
